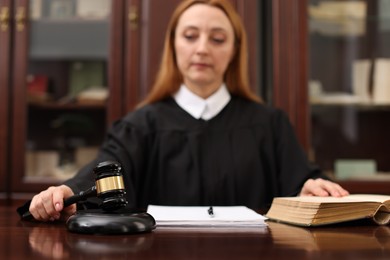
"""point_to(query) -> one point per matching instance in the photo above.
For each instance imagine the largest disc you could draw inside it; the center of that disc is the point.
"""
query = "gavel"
(109, 187)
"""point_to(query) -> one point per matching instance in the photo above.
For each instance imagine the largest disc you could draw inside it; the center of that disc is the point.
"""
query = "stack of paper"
(198, 216)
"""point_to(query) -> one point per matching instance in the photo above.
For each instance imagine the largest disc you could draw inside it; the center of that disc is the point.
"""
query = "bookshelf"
(349, 95)
(59, 53)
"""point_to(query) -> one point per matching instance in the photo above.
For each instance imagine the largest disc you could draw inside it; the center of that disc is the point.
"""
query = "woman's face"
(204, 45)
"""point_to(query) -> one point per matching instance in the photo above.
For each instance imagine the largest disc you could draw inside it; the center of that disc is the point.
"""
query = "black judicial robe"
(246, 155)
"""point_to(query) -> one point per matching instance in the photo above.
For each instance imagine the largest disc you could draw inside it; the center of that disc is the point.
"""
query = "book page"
(369, 197)
(318, 200)
(345, 199)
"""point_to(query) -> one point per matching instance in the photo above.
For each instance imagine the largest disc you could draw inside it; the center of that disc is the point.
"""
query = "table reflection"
(277, 241)
(324, 238)
(55, 242)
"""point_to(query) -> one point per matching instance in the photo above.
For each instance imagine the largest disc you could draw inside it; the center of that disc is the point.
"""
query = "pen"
(211, 212)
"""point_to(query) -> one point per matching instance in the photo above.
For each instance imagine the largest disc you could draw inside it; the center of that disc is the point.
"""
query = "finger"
(327, 187)
(336, 190)
(34, 208)
(64, 192)
(313, 188)
(319, 191)
(48, 203)
(58, 200)
(332, 188)
(342, 191)
(37, 209)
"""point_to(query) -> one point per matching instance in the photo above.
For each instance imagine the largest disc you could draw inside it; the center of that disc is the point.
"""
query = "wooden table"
(25, 240)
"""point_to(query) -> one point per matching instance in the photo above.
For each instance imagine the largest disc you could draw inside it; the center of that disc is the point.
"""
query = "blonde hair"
(169, 78)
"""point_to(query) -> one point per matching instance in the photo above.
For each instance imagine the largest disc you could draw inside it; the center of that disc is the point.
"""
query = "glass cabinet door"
(349, 87)
(61, 88)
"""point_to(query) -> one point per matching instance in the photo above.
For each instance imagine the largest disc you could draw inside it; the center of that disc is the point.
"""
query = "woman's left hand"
(322, 188)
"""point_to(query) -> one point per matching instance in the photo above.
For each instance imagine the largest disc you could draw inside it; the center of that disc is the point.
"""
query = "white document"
(198, 216)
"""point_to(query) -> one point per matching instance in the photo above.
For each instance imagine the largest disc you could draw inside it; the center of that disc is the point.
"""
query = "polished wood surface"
(28, 240)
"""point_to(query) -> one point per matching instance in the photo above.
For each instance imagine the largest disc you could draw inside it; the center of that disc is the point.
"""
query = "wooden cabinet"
(57, 52)
(302, 55)
(299, 55)
(123, 42)
(65, 87)
(349, 63)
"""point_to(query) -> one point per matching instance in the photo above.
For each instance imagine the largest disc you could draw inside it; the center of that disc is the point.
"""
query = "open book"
(315, 211)
(198, 216)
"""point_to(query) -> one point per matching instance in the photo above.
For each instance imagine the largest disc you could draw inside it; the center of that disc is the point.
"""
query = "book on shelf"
(355, 168)
(361, 78)
(38, 88)
(41, 163)
(84, 75)
(93, 9)
(61, 9)
(93, 96)
(317, 211)
(381, 89)
(35, 7)
(338, 18)
(338, 98)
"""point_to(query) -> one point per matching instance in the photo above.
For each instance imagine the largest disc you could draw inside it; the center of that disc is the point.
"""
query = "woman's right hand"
(49, 204)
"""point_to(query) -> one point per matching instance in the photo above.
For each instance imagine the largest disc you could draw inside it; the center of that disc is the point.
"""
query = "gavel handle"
(82, 195)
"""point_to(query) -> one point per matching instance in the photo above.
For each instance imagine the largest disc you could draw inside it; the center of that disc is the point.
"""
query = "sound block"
(103, 223)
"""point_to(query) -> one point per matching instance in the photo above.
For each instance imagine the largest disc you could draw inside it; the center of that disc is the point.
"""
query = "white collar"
(199, 107)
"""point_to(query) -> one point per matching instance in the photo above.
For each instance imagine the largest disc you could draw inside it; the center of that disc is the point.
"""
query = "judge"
(201, 136)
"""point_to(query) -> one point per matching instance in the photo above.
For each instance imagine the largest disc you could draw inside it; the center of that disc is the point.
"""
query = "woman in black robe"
(201, 137)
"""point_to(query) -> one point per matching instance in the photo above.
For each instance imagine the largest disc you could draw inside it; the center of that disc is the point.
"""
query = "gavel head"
(110, 187)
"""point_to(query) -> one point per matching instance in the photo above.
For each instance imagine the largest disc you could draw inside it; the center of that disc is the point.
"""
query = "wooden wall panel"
(289, 42)
(144, 45)
(115, 104)
(19, 100)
